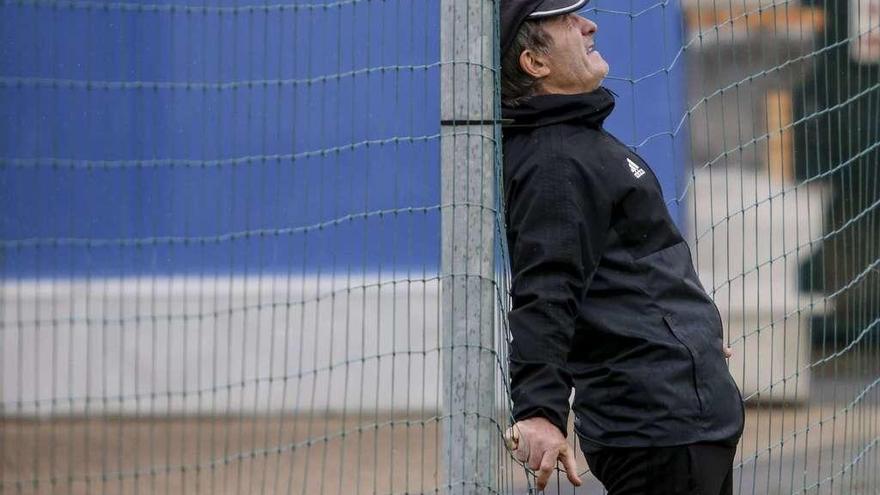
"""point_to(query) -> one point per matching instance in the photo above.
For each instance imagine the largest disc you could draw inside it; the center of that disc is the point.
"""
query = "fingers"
(728, 352)
(570, 465)
(540, 446)
(533, 459)
(547, 465)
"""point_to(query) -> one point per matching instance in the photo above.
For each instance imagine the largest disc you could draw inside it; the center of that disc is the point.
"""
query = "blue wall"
(138, 139)
(643, 42)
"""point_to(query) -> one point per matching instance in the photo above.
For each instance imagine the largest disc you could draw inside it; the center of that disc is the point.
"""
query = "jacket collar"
(538, 111)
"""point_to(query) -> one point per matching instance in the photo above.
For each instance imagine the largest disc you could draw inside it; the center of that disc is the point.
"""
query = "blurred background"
(246, 247)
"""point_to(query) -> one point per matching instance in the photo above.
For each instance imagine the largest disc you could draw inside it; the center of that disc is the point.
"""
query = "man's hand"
(540, 445)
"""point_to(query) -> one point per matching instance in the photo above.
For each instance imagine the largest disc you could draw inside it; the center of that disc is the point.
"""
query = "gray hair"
(516, 84)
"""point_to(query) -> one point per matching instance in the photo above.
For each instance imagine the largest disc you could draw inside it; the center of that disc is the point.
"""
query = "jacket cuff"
(540, 389)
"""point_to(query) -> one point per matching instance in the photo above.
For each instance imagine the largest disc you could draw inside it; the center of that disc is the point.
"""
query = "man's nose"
(588, 27)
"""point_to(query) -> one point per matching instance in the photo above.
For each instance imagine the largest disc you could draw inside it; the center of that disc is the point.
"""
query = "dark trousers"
(697, 469)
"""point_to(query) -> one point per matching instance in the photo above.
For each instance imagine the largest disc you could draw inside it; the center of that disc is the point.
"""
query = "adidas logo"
(637, 171)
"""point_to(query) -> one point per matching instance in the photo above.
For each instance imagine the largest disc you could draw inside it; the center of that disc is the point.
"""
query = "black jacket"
(605, 296)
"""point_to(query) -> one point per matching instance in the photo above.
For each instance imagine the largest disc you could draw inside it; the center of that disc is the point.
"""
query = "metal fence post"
(470, 433)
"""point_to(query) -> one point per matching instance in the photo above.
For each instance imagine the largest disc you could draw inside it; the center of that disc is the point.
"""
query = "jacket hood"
(590, 108)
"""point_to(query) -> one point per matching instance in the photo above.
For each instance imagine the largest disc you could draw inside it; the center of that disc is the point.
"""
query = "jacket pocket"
(693, 351)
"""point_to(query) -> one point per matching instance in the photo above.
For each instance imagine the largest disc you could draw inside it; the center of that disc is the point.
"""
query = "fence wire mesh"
(221, 247)
(259, 247)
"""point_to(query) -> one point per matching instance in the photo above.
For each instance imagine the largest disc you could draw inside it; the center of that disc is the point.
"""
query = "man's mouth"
(591, 49)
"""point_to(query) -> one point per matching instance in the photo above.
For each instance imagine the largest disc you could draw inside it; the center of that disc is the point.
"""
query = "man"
(605, 296)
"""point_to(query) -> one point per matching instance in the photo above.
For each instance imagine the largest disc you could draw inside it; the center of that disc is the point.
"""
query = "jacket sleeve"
(558, 220)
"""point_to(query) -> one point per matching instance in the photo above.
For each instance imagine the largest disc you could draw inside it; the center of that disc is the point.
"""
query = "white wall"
(748, 235)
(219, 345)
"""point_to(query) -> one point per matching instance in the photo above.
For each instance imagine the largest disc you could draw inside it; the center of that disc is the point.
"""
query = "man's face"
(575, 66)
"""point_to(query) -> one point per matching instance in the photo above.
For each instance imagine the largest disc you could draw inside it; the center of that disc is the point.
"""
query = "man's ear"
(534, 64)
